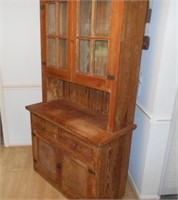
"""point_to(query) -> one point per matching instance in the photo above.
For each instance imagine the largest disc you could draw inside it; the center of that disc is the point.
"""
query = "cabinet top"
(83, 123)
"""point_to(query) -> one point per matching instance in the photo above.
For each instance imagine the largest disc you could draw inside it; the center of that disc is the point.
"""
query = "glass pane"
(63, 53)
(102, 17)
(84, 56)
(63, 18)
(51, 18)
(51, 52)
(101, 58)
(85, 17)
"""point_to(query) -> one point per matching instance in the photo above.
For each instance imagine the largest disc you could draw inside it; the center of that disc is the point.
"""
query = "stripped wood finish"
(82, 130)
(95, 100)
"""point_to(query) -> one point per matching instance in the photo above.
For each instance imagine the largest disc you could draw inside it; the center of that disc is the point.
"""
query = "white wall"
(158, 83)
(20, 67)
(169, 183)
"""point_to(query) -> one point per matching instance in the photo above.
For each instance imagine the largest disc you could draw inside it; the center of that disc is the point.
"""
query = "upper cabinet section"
(82, 41)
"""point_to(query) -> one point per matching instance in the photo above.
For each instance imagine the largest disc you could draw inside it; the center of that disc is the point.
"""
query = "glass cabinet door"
(80, 40)
(93, 35)
(57, 40)
(97, 42)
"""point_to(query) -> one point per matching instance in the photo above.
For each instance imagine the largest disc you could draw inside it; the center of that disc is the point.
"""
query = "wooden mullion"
(91, 70)
(91, 57)
(57, 25)
(92, 38)
(72, 37)
(43, 31)
(46, 34)
(62, 37)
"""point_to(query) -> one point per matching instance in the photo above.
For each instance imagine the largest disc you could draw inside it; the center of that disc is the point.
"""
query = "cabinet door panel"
(63, 53)
(58, 30)
(47, 159)
(76, 178)
(95, 60)
(63, 18)
(84, 56)
(51, 18)
(85, 18)
(102, 20)
(100, 58)
(51, 52)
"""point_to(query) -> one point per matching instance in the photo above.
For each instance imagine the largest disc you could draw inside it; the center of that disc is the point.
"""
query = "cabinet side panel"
(114, 168)
(129, 66)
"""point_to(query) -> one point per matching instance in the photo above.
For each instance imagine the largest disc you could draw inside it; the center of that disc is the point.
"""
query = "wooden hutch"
(82, 130)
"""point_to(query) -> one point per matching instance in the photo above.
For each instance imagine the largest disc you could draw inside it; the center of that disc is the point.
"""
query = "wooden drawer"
(44, 128)
(74, 145)
(50, 130)
(37, 122)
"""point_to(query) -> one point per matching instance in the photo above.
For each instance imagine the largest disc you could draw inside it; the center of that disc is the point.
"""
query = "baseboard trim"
(132, 183)
(19, 145)
(135, 189)
(21, 86)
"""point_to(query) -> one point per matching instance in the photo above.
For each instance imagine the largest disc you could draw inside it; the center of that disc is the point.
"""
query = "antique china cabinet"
(82, 130)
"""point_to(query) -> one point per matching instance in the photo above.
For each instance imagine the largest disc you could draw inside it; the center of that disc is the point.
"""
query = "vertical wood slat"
(73, 14)
(92, 34)
(82, 96)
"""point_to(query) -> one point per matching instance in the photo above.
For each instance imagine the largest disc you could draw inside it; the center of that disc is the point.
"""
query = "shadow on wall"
(1, 133)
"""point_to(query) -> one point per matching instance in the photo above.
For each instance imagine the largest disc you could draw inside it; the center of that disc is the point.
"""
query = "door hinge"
(111, 77)
(146, 42)
(91, 172)
(148, 17)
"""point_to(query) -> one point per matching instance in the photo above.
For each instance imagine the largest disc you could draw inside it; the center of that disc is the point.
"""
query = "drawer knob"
(58, 166)
(74, 145)
(111, 77)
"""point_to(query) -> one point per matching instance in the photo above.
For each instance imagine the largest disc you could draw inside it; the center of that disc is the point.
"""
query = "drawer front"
(44, 128)
(76, 146)
(50, 130)
(37, 123)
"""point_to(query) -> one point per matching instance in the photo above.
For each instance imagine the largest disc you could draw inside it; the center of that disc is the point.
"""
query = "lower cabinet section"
(68, 174)
(76, 168)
